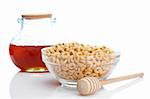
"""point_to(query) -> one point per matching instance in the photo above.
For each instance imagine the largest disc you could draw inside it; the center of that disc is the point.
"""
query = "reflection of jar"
(35, 85)
(25, 48)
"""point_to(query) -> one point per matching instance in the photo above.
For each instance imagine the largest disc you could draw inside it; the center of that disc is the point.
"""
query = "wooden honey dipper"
(89, 85)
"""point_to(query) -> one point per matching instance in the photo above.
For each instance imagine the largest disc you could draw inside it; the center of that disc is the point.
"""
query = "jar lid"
(36, 16)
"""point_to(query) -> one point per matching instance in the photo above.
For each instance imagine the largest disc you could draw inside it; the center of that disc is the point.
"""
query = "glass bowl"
(67, 73)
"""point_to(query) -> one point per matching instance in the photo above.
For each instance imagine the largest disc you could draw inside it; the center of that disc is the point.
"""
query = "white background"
(120, 24)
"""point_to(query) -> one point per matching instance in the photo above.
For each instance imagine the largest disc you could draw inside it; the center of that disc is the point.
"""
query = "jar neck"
(35, 26)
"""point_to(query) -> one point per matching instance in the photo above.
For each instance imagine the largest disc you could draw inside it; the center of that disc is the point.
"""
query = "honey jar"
(25, 48)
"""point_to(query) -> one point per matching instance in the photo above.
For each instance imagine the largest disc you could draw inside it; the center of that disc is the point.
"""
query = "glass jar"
(25, 48)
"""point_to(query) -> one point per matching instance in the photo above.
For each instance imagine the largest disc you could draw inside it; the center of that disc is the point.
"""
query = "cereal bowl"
(69, 66)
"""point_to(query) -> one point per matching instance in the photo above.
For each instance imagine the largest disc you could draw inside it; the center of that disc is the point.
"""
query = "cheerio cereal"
(76, 61)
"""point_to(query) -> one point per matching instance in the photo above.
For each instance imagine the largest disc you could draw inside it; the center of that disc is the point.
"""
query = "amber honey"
(27, 58)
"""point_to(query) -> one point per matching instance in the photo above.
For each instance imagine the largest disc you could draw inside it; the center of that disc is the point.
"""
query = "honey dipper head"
(88, 85)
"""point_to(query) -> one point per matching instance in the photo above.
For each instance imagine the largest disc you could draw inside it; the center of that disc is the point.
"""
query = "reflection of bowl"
(69, 72)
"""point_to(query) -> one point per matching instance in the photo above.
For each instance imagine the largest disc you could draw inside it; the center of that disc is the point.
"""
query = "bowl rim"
(43, 49)
(116, 54)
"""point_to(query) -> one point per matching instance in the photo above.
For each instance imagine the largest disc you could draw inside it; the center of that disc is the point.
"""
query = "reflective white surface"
(43, 86)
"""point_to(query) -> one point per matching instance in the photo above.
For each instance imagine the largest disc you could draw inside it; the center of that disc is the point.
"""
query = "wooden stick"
(113, 80)
(89, 85)
(36, 16)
